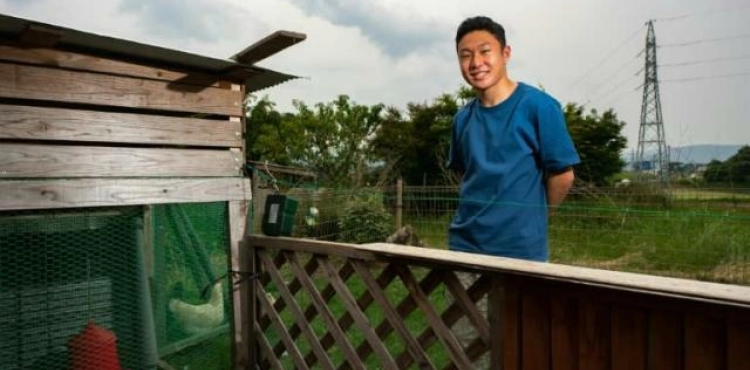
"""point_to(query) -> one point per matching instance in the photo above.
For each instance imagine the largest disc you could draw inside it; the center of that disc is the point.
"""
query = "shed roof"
(43, 34)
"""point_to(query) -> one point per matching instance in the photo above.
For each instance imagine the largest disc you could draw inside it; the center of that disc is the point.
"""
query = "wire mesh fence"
(115, 288)
(689, 232)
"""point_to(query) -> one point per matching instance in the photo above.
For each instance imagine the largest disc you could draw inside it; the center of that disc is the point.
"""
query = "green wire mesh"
(139, 272)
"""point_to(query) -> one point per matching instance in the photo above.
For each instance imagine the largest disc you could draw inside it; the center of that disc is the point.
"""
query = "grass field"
(709, 241)
(681, 194)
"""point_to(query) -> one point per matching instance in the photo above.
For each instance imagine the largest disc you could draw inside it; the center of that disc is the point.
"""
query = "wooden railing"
(339, 306)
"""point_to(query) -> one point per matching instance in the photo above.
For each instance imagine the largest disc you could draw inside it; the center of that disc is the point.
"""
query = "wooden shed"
(94, 123)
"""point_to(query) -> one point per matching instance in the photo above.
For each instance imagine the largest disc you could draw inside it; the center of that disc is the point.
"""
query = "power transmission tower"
(652, 156)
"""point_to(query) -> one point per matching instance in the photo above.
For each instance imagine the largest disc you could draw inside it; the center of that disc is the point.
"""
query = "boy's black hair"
(481, 23)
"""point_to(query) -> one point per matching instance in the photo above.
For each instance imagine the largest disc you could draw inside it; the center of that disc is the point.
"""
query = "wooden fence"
(339, 306)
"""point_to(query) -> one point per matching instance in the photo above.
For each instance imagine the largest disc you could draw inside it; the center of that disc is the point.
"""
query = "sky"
(396, 52)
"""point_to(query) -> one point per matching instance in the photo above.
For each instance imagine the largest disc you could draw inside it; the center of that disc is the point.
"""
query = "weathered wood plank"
(594, 335)
(495, 317)
(535, 332)
(738, 346)
(40, 194)
(49, 84)
(705, 343)
(58, 161)
(631, 282)
(241, 259)
(629, 338)
(312, 246)
(665, 349)
(60, 124)
(512, 325)
(76, 61)
(564, 332)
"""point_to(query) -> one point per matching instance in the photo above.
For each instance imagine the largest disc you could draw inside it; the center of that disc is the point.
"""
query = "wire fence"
(688, 232)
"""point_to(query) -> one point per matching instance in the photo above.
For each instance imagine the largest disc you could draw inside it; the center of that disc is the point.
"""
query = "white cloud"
(397, 52)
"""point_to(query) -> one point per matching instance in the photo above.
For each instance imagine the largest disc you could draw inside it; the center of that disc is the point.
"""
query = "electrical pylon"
(652, 156)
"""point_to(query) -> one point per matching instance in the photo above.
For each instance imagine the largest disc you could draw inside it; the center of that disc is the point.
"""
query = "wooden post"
(399, 203)
(257, 204)
(495, 317)
(238, 260)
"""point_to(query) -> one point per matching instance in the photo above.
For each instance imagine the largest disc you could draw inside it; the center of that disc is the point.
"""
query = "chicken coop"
(123, 199)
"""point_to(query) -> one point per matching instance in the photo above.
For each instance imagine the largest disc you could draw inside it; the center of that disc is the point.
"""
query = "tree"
(336, 139)
(599, 142)
(270, 137)
(415, 146)
(736, 169)
(332, 139)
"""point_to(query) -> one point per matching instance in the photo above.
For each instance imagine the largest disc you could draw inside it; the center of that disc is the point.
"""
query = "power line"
(618, 85)
(704, 41)
(703, 13)
(609, 55)
(687, 79)
(705, 61)
(617, 72)
(619, 97)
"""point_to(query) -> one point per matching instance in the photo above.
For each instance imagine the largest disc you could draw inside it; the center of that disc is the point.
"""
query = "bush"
(365, 220)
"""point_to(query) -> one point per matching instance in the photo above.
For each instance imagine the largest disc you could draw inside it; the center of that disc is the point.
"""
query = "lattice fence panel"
(343, 312)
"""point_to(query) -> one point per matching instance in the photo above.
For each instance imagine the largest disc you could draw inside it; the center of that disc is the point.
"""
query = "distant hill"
(698, 154)
(702, 154)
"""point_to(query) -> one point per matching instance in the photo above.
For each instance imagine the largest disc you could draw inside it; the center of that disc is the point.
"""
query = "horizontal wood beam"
(60, 124)
(733, 295)
(68, 60)
(41, 194)
(56, 161)
(311, 246)
(268, 46)
(57, 85)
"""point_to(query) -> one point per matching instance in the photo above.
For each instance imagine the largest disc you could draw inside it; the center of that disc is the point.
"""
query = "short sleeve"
(556, 149)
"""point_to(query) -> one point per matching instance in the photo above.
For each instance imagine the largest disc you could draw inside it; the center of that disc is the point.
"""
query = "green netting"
(137, 272)
(191, 254)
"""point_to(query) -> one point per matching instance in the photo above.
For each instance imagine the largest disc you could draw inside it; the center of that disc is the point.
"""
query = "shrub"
(365, 220)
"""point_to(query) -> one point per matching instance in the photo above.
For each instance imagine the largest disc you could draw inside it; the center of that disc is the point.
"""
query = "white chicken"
(198, 319)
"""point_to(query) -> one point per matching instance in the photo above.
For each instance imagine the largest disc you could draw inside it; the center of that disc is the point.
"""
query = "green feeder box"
(278, 218)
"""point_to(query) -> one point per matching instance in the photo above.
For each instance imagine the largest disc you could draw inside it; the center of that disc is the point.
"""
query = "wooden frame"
(541, 316)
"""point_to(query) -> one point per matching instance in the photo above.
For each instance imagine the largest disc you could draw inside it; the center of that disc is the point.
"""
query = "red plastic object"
(94, 348)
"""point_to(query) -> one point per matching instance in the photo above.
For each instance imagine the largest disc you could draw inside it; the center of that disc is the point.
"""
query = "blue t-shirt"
(504, 152)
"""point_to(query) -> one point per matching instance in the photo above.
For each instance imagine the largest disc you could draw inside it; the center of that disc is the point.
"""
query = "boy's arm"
(558, 186)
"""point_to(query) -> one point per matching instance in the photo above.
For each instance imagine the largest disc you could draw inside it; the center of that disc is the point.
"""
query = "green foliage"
(270, 135)
(365, 220)
(336, 139)
(331, 139)
(415, 145)
(735, 169)
(599, 142)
